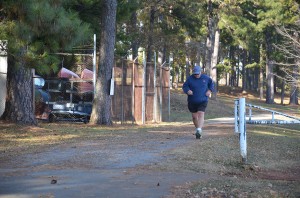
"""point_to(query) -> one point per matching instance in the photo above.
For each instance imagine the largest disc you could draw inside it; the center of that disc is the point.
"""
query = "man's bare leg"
(198, 119)
(201, 119)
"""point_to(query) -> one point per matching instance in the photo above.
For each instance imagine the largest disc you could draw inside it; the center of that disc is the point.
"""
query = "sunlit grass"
(45, 138)
(268, 133)
(292, 130)
(54, 133)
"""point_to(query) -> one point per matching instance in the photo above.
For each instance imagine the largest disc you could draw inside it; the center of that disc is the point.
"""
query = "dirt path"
(109, 167)
(156, 162)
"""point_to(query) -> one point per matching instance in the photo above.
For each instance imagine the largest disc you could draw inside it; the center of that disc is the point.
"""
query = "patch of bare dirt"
(289, 174)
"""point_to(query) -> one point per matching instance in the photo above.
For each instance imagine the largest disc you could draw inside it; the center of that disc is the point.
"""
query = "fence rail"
(141, 91)
(240, 122)
(136, 98)
(272, 121)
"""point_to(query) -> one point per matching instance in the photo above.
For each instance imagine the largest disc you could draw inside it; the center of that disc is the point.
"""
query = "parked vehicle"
(70, 98)
(69, 103)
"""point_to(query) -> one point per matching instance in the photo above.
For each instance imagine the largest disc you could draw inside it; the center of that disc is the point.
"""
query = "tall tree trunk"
(275, 85)
(101, 113)
(244, 74)
(176, 76)
(134, 31)
(187, 67)
(269, 70)
(282, 91)
(19, 106)
(182, 74)
(294, 88)
(250, 72)
(261, 83)
(261, 74)
(255, 81)
(209, 37)
(213, 72)
(270, 82)
(238, 68)
(227, 76)
(150, 34)
(232, 78)
(166, 55)
(198, 56)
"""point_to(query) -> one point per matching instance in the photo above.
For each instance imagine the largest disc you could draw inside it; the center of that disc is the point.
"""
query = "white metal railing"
(272, 121)
(240, 122)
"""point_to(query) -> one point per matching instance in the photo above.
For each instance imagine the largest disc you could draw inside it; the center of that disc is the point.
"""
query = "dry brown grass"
(273, 169)
(17, 136)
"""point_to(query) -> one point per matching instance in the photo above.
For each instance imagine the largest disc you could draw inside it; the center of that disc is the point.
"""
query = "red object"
(65, 73)
(86, 86)
(87, 74)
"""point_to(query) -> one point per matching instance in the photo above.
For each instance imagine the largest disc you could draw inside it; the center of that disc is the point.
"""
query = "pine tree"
(271, 13)
(102, 99)
(35, 30)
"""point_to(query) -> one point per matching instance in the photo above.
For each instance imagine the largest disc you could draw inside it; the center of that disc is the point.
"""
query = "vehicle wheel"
(85, 120)
(52, 118)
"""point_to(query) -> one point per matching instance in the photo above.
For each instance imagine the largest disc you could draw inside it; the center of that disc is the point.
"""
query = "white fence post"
(240, 122)
(242, 129)
(236, 114)
(3, 74)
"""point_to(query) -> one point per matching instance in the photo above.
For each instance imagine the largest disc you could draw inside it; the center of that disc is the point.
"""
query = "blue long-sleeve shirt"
(199, 86)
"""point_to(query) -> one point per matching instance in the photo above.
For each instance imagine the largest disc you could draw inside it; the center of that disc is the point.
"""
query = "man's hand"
(190, 92)
(208, 93)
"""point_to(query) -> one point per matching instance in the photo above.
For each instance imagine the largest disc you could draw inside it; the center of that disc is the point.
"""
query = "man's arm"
(211, 86)
(185, 87)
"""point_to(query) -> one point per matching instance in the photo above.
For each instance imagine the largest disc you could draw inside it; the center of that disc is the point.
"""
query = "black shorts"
(193, 108)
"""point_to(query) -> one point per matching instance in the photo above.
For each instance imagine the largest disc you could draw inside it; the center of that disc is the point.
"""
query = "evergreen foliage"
(254, 34)
(43, 28)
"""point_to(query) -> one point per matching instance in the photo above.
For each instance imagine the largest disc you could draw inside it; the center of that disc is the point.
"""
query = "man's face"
(197, 75)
